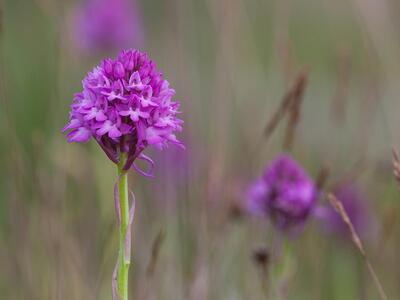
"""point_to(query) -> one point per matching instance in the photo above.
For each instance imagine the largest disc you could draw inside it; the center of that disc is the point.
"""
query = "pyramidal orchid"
(126, 106)
(285, 194)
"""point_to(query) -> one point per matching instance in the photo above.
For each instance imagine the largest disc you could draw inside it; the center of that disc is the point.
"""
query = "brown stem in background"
(155, 251)
(261, 258)
(396, 166)
(292, 95)
(322, 178)
(337, 205)
(294, 108)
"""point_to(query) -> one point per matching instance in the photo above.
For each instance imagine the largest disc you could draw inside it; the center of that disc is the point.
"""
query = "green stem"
(124, 262)
(283, 270)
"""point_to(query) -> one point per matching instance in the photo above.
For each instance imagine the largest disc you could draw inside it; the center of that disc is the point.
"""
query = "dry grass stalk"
(261, 258)
(337, 205)
(396, 166)
(294, 108)
(322, 177)
(287, 99)
(155, 251)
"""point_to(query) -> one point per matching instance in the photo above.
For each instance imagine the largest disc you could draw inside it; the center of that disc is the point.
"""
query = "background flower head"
(285, 193)
(125, 105)
(356, 206)
(104, 25)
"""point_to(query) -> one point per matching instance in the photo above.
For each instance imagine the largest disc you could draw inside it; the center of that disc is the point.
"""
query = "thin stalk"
(124, 261)
(338, 206)
(285, 270)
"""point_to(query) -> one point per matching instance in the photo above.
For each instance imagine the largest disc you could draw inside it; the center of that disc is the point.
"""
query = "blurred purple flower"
(125, 106)
(285, 194)
(104, 25)
(354, 202)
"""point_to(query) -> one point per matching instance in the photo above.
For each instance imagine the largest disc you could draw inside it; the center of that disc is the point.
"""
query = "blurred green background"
(230, 61)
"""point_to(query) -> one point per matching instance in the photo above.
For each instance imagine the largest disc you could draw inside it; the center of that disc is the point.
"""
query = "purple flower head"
(104, 25)
(285, 193)
(354, 202)
(125, 105)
